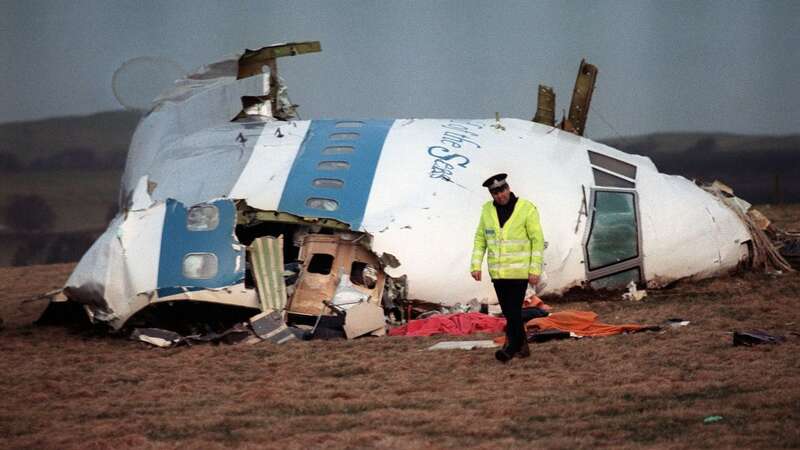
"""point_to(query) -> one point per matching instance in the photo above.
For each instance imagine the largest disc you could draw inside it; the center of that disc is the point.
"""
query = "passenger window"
(613, 236)
(200, 266)
(320, 263)
(324, 204)
(333, 165)
(202, 218)
(337, 150)
(328, 183)
(343, 136)
(349, 124)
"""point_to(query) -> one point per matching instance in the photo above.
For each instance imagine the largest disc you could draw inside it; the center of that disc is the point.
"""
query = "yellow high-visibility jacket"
(515, 250)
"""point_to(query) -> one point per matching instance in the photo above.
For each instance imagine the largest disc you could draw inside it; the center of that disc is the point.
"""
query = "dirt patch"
(71, 388)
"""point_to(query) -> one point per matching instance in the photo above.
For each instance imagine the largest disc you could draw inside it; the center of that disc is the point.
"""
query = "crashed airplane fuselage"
(204, 178)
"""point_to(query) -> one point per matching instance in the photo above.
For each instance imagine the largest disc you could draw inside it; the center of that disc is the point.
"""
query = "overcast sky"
(729, 66)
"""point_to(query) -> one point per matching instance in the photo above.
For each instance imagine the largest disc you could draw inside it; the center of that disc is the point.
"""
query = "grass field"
(73, 388)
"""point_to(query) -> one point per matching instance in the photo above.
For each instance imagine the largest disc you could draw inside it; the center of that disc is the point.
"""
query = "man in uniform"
(509, 230)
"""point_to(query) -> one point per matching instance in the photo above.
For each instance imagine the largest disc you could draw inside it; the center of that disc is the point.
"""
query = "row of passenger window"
(329, 204)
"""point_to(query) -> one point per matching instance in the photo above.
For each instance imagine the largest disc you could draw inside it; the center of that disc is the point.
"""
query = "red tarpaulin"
(458, 324)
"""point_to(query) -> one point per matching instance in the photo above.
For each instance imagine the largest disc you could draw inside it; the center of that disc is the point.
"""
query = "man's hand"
(533, 280)
(476, 275)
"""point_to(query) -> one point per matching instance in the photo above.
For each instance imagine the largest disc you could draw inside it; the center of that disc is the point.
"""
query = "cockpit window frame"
(618, 266)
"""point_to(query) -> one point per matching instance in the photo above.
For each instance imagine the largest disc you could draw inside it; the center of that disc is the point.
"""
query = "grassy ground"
(66, 388)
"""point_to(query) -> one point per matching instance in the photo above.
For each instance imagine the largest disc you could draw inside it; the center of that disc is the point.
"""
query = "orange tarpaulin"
(582, 323)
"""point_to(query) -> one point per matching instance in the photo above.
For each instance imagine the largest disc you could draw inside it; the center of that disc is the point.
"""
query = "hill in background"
(98, 141)
(761, 169)
(72, 165)
(65, 173)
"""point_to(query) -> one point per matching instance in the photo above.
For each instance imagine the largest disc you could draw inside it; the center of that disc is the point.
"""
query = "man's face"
(501, 195)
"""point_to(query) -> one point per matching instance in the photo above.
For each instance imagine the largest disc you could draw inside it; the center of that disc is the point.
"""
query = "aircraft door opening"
(612, 244)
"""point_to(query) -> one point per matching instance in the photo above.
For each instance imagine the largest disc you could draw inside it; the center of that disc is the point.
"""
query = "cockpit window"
(606, 179)
(616, 280)
(613, 237)
(612, 165)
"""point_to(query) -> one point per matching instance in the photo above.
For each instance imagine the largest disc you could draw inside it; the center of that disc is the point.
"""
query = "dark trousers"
(511, 294)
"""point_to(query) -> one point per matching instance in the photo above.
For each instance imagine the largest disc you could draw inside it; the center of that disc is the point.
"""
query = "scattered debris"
(264, 327)
(545, 106)
(790, 248)
(497, 123)
(270, 326)
(633, 294)
(364, 318)
(394, 290)
(321, 254)
(755, 337)
(326, 327)
(764, 253)
(529, 314)
(533, 301)
(759, 219)
(677, 323)
(157, 336)
(420, 309)
(549, 335)
(346, 295)
(266, 257)
(463, 345)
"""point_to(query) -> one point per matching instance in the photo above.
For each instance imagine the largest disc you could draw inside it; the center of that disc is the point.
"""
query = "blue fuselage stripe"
(333, 172)
(177, 241)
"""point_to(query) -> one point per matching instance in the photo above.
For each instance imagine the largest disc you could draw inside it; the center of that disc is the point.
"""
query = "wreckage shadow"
(190, 318)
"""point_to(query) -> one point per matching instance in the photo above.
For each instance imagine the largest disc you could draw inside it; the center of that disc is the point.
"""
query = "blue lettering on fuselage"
(458, 137)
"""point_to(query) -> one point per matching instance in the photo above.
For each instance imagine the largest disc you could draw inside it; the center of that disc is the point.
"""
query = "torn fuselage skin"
(204, 259)
(318, 254)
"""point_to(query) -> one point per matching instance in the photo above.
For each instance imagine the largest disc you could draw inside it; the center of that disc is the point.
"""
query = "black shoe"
(524, 351)
(503, 356)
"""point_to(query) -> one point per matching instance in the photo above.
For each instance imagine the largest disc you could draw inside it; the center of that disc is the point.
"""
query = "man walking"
(509, 230)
